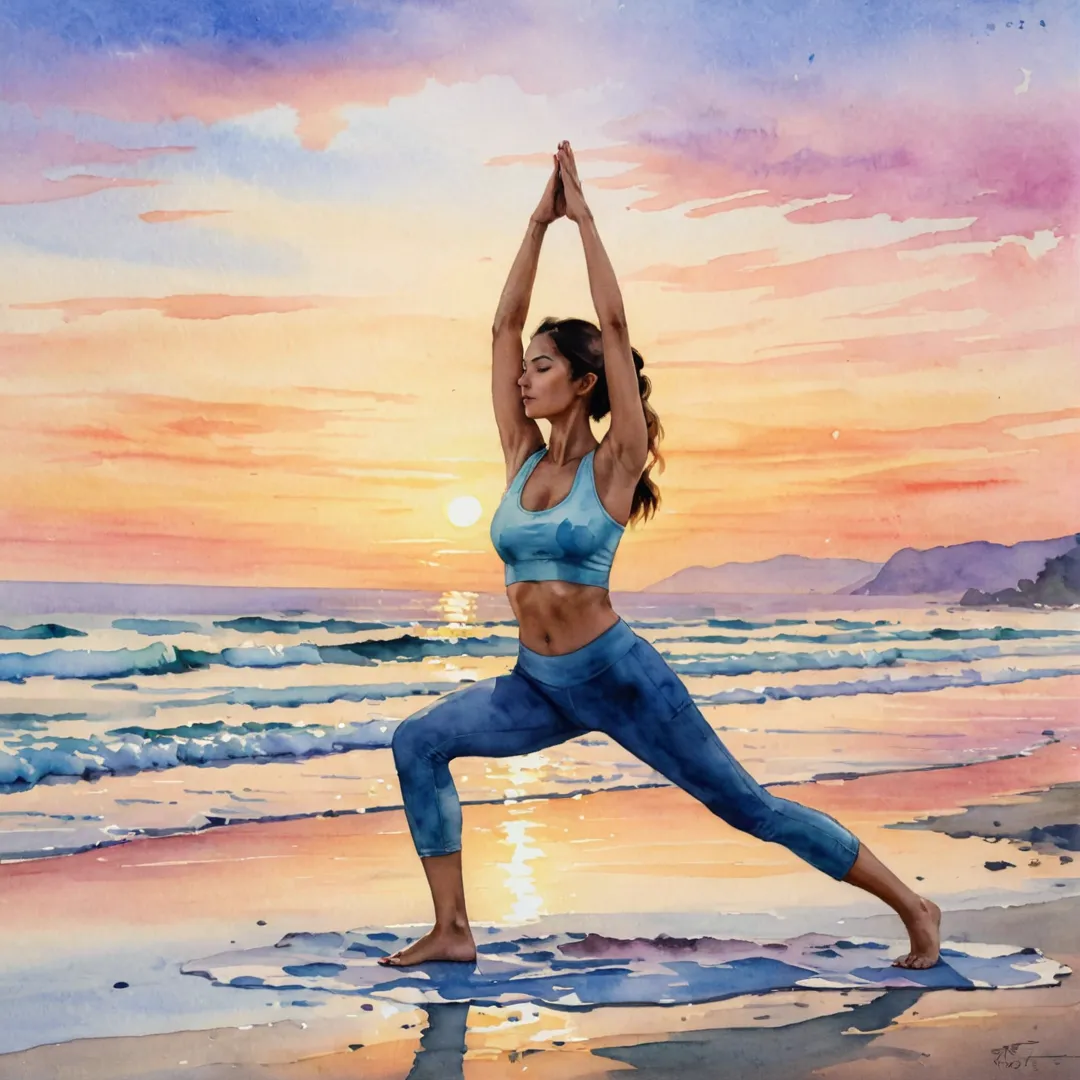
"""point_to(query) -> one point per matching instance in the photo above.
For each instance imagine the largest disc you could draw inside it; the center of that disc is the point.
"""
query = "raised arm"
(628, 432)
(519, 434)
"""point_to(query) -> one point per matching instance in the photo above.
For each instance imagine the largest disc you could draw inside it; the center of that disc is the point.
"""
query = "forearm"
(606, 295)
(513, 306)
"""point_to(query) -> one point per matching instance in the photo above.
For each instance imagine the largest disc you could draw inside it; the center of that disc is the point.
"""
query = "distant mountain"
(954, 568)
(780, 574)
(1056, 585)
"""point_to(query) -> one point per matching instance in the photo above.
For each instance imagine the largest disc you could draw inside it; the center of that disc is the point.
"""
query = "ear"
(587, 382)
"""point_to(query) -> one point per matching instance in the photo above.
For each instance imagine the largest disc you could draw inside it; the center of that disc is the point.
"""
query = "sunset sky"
(250, 251)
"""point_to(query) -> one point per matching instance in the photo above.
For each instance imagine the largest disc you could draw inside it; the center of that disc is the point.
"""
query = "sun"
(464, 511)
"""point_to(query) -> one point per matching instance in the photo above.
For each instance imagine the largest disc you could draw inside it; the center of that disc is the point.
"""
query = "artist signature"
(1013, 1056)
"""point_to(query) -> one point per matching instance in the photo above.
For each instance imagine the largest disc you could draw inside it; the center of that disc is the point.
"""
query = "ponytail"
(647, 494)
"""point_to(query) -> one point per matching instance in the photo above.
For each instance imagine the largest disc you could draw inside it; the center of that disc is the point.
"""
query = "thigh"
(644, 706)
(639, 689)
(496, 717)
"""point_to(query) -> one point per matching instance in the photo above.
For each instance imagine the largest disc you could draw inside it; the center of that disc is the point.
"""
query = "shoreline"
(147, 907)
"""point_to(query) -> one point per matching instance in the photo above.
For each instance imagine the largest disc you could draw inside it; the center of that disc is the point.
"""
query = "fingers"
(567, 165)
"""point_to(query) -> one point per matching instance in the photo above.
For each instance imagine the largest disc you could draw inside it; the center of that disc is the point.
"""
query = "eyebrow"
(542, 356)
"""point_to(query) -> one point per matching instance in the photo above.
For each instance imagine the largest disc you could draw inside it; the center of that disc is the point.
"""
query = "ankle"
(917, 908)
(455, 925)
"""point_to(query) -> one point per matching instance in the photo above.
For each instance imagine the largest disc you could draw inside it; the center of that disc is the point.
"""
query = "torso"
(556, 617)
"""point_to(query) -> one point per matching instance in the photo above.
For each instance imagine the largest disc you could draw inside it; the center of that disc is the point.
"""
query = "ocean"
(120, 725)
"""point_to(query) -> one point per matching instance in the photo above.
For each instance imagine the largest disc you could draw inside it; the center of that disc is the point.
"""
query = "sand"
(78, 925)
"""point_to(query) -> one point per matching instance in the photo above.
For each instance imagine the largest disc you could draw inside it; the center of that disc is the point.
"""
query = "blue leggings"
(617, 684)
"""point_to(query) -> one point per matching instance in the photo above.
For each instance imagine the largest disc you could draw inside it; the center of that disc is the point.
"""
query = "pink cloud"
(28, 155)
(1013, 165)
(1002, 280)
(167, 85)
(1002, 286)
(760, 270)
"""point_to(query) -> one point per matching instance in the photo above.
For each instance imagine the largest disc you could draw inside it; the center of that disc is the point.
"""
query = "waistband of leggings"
(569, 669)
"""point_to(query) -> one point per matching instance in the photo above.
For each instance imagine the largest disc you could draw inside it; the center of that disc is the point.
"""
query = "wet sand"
(136, 912)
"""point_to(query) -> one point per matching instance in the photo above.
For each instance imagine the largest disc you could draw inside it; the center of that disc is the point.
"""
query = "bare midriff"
(556, 617)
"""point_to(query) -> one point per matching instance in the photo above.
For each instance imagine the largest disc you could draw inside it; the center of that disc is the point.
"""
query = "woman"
(580, 667)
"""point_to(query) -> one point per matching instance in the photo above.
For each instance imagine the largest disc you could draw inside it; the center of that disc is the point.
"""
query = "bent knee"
(421, 734)
(413, 737)
(758, 815)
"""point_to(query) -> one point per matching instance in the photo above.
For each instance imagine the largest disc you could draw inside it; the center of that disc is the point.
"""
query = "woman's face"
(547, 388)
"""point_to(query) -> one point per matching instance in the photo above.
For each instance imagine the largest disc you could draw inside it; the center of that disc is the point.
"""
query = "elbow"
(614, 320)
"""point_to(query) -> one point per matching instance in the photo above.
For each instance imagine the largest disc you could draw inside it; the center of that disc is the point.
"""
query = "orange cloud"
(862, 495)
(377, 396)
(187, 306)
(158, 217)
(747, 443)
(906, 351)
(186, 433)
(196, 545)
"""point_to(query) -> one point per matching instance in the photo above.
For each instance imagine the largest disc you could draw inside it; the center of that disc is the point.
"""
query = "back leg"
(685, 749)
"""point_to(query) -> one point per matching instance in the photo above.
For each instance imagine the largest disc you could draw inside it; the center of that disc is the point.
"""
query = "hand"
(552, 203)
(576, 208)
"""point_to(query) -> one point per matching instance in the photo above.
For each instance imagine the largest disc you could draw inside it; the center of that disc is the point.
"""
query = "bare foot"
(925, 933)
(436, 944)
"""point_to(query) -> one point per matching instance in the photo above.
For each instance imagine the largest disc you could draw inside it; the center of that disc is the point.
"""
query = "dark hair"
(581, 342)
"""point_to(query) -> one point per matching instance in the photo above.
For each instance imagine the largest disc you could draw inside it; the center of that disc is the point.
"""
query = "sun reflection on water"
(520, 876)
(457, 608)
(520, 880)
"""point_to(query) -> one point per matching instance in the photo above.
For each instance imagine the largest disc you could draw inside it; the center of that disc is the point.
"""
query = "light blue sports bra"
(574, 540)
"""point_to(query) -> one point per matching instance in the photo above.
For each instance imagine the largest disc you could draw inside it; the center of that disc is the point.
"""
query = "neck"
(570, 441)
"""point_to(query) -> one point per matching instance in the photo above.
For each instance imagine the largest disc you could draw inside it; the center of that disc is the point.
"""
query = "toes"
(914, 962)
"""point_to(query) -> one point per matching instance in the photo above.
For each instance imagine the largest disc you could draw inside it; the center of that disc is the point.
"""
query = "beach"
(135, 914)
(163, 955)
